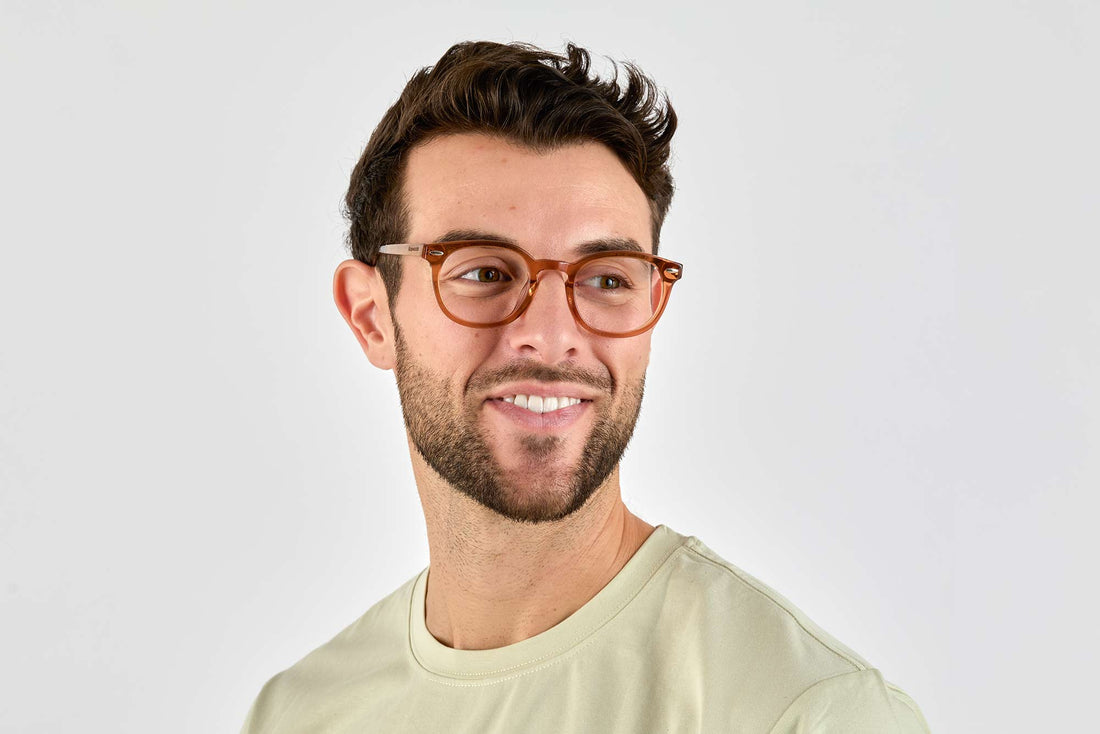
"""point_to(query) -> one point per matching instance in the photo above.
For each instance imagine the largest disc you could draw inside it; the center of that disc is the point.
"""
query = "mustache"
(539, 372)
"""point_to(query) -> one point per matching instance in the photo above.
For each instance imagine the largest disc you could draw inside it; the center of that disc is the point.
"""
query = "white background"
(876, 388)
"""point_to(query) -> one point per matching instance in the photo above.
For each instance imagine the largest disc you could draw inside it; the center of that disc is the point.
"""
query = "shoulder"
(733, 602)
(370, 645)
(765, 641)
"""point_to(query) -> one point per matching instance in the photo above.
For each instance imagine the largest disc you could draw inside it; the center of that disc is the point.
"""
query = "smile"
(539, 404)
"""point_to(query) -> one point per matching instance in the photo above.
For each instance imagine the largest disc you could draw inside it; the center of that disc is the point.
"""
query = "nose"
(546, 330)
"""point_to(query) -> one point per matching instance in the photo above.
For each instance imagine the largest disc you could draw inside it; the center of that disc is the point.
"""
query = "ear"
(360, 296)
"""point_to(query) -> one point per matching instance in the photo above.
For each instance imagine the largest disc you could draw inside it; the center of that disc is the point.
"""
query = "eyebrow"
(458, 235)
(603, 244)
(608, 243)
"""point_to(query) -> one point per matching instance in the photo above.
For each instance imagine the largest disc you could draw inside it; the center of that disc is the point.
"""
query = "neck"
(494, 582)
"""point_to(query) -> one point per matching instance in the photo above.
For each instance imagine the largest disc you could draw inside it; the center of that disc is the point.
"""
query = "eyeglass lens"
(485, 285)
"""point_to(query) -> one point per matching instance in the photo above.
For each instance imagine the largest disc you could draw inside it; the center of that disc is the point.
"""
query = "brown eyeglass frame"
(436, 252)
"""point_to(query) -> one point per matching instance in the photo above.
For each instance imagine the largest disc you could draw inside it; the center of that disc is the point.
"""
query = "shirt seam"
(815, 684)
(908, 703)
(763, 592)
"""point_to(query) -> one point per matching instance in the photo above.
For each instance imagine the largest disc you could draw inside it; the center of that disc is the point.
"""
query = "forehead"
(548, 201)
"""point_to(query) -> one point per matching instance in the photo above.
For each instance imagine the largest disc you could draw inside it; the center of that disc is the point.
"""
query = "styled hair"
(525, 95)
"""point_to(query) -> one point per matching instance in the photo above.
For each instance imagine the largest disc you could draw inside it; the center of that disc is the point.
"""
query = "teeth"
(539, 404)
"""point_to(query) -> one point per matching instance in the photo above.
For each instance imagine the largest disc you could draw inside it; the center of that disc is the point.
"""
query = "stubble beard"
(448, 438)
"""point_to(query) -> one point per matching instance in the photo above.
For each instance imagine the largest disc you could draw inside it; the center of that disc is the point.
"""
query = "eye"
(607, 282)
(485, 275)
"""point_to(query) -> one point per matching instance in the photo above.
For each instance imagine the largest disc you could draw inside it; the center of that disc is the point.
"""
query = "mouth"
(540, 404)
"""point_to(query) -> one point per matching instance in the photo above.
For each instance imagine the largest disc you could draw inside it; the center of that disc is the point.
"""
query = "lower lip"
(554, 420)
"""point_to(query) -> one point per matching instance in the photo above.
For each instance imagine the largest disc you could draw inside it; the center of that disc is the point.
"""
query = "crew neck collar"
(484, 666)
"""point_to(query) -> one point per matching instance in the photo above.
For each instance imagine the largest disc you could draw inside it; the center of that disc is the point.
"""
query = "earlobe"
(360, 296)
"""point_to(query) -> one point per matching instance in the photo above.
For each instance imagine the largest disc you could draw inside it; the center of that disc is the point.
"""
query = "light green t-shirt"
(679, 641)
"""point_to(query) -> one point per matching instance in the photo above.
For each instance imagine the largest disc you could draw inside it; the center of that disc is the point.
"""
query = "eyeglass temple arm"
(402, 249)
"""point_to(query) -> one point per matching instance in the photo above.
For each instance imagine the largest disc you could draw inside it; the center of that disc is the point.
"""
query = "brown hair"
(522, 93)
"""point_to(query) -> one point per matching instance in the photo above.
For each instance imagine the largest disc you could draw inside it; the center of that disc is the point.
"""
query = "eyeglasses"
(479, 283)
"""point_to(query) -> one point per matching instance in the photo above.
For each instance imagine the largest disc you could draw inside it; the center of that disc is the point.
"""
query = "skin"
(494, 579)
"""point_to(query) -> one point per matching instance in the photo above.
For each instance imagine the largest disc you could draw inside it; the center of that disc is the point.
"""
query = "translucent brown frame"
(436, 252)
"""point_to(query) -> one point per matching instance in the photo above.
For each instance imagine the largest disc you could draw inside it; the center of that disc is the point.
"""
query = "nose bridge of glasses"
(538, 267)
(542, 267)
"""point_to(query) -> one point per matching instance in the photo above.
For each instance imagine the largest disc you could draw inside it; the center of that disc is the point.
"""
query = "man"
(505, 218)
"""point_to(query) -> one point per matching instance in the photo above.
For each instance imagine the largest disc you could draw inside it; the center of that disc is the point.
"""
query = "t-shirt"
(679, 641)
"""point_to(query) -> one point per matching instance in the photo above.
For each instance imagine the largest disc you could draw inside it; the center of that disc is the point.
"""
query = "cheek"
(446, 348)
(464, 350)
(432, 338)
(628, 361)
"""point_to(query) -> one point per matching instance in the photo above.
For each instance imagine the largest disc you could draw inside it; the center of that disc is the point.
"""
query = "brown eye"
(485, 275)
(609, 282)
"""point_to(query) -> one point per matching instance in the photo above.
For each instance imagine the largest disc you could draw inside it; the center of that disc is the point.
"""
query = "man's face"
(459, 384)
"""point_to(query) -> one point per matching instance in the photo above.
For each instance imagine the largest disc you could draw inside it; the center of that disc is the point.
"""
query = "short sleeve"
(860, 702)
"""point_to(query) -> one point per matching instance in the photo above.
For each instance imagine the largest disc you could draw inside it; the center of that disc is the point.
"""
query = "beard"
(448, 437)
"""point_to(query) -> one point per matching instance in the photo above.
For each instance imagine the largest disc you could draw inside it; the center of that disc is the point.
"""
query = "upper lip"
(545, 390)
